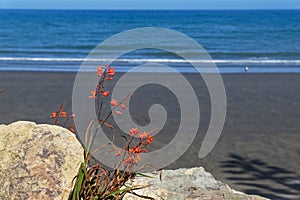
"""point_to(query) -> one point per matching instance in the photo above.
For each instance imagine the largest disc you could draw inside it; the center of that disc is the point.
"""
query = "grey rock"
(185, 184)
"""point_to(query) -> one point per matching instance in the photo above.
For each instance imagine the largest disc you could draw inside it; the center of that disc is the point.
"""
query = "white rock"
(37, 161)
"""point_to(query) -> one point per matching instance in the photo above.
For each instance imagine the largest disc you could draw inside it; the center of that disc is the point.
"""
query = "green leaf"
(144, 175)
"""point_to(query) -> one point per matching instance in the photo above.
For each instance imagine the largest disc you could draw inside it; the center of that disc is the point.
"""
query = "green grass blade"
(79, 181)
(119, 191)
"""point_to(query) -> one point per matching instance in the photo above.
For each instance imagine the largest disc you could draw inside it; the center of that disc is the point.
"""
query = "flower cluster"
(115, 104)
(133, 153)
(105, 73)
(63, 114)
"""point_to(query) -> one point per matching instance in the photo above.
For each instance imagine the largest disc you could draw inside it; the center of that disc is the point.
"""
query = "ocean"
(59, 40)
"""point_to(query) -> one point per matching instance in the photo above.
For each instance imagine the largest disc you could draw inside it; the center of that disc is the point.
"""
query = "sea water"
(259, 41)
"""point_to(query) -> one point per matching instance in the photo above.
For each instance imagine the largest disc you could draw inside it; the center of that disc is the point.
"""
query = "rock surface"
(184, 184)
(37, 161)
(40, 162)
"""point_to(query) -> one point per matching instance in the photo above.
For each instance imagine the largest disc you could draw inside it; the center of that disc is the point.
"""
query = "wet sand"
(257, 153)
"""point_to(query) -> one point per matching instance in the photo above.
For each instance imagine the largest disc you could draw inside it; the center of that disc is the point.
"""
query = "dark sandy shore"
(259, 149)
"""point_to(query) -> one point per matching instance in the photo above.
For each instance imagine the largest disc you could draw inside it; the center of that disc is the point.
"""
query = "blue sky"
(151, 4)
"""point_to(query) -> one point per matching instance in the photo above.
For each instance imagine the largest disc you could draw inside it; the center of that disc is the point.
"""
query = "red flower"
(110, 71)
(93, 94)
(144, 135)
(123, 106)
(133, 131)
(63, 114)
(134, 150)
(105, 93)
(99, 71)
(137, 150)
(118, 112)
(137, 159)
(129, 159)
(72, 127)
(54, 115)
(117, 153)
(72, 130)
(114, 103)
(149, 140)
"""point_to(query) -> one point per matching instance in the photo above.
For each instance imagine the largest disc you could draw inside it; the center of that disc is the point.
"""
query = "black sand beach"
(258, 152)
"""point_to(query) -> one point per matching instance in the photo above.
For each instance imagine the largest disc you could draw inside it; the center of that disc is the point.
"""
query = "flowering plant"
(94, 181)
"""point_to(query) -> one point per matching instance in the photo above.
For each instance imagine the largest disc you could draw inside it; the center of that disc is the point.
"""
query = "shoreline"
(222, 70)
(258, 151)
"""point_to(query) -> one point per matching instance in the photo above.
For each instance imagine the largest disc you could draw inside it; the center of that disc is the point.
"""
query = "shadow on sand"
(254, 176)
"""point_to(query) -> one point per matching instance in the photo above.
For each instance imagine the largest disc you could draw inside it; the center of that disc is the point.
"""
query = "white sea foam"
(128, 60)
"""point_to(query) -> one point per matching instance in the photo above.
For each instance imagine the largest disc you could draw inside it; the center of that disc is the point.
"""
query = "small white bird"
(246, 69)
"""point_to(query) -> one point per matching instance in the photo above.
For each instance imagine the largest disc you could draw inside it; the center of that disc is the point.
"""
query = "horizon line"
(150, 9)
